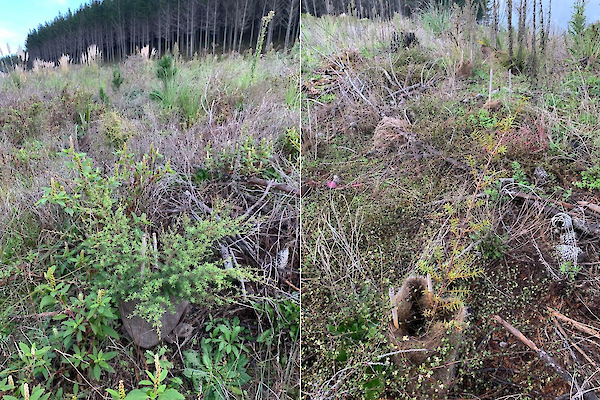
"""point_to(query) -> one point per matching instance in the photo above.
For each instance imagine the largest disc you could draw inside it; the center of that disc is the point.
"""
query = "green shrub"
(292, 142)
(590, 178)
(152, 388)
(214, 373)
(115, 129)
(117, 79)
(101, 221)
(185, 267)
(249, 157)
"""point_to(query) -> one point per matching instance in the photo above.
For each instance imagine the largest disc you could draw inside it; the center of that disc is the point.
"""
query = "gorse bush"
(183, 268)
(115, 129)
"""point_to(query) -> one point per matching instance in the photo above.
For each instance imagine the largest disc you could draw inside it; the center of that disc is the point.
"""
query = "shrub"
(585, 41)
(115, 128)
(102, 222)
(117, 79)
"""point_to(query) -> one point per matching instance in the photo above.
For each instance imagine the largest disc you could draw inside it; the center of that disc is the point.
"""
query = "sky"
(18, 17)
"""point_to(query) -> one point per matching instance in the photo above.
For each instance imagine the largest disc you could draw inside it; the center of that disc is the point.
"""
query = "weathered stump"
(141, 331)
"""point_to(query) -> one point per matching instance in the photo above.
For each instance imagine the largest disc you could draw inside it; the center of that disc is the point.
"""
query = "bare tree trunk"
(270, 31)
(178, 15)
(243, 26)
(187, 26)
(495, 12)
(214, 43)
(521, 34)
(206, 30)
(533, 44)
(289, 25)
(510, 32)
(225, 29)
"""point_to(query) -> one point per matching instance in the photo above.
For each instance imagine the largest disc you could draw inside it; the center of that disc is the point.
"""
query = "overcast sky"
(18, 17)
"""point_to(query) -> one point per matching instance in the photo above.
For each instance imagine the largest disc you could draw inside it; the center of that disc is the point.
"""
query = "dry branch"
(578, 325)
(40, 315)
(569, 342)
(552, 210)
(547, 359)
(279, 186)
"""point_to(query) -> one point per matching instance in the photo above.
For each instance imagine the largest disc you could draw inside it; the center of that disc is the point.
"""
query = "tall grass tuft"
(166, 70)
(436, 18)
(63, 63)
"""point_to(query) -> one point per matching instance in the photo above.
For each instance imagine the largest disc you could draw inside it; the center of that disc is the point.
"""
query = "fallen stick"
(551, 210)
(547, 359)
(293, 286)
(40, 315)
(568, 341)
(578, 325)
(590, 206)
(279, 186)
(526, 196)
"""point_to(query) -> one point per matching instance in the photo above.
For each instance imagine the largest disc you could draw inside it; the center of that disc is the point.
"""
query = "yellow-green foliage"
(115, 128)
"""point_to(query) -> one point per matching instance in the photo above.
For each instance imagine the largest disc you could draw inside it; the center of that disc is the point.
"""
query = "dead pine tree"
(510, 33)
(533, 66)
(495, 22)
(542, 38)
(521, 33)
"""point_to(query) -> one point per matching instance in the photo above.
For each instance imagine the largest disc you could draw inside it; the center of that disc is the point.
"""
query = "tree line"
(382, 8)
(119, 27)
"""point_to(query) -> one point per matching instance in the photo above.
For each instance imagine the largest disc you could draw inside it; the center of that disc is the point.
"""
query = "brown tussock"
(493, 105)
(487, 51)
(390, 134)
(465, 69)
